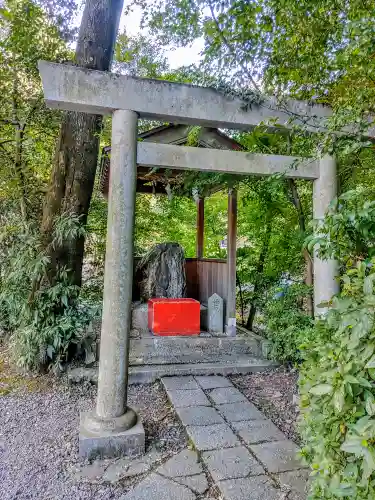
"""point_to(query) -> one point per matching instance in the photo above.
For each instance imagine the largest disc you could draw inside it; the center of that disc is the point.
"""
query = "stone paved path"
(237, 452)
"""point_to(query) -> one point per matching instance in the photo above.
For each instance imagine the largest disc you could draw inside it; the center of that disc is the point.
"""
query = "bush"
(337, 393)
(288, 326)
(48, 323)
(337, 377)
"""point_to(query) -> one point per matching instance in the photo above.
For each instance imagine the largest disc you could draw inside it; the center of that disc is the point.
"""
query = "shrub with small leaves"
(337, 378)
(288, 326)
(48, 323)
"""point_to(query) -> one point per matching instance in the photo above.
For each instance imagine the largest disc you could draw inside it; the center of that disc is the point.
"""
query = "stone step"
(146, 374)
(174, 350)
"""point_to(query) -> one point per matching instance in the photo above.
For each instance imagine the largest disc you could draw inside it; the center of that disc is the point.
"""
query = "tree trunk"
(259, 272)
(309, 269)
(73, 174)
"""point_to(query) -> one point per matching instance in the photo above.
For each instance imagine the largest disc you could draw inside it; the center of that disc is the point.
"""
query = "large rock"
(163, 272)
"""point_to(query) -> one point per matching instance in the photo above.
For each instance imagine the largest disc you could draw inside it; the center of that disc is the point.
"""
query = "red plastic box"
(174, 316)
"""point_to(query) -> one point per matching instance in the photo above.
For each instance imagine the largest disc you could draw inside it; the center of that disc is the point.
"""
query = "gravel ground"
(274, 393)
(39, 437)
(39, 420)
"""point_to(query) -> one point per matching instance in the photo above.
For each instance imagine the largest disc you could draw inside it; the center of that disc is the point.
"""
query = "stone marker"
(215, 314)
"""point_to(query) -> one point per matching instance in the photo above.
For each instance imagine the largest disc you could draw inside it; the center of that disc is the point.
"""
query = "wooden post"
(231, 263)
(200, 228)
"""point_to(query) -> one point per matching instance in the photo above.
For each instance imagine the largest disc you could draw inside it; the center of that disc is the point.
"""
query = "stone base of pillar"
(111, 437)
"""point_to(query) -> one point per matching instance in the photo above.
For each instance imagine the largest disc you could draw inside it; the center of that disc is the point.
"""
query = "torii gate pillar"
(114, 429)
(325, 271)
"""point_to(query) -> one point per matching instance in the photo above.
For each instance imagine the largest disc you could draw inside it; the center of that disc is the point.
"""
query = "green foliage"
(347, 232)
(337, 377)
(288, 327)
(139, 56)
(28, 130)
(47, 321)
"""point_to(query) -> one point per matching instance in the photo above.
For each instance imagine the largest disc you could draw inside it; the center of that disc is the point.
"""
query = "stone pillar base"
(110, 437)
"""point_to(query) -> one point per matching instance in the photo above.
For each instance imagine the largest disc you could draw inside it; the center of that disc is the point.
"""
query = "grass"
(12, 381)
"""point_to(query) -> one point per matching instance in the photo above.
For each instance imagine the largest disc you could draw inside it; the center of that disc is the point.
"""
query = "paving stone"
(279, 456)
(225, 395)
(91, 472)
(296, 481)
(199, 415)
(231, 463)
(156, 487)
(296, 496)
(129, 467)
(121, 469)
(182, 398)
(184, 463)
(237, 412)
(255, 431)
(252, 488)
(180, 383)
(212, 437)
(197, 483)
(213, 382)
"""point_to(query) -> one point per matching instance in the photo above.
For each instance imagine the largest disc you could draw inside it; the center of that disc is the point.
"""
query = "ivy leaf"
(350, 379)
(339, 399)
(321, 389)
(368, 285)
(354, 445)
(370, 405)
(371, 363)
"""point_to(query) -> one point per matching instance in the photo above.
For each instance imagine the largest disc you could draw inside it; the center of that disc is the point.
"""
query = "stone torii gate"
(113, 428)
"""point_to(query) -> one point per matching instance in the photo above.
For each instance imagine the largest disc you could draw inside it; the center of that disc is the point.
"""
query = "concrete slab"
(226, 395)
(198, 484)
(199, 415)
(184, 463)
(256, 431)
(156, 487)
(252, 488)
(236, 412)
(188, 398)
(212, 437)
(213, 382)
(231, 463)
(122, 469)
(180, 383)
(278, 456)
(185, 349)
(91, 472)
(130, 467)
(147, 374)
(108, 442)
(296, 481)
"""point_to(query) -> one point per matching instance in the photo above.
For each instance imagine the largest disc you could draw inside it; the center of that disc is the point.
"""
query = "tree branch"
(230, 48)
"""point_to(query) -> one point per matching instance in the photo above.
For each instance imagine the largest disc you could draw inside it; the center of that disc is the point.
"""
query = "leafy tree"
(27, 128)
(73, 174)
